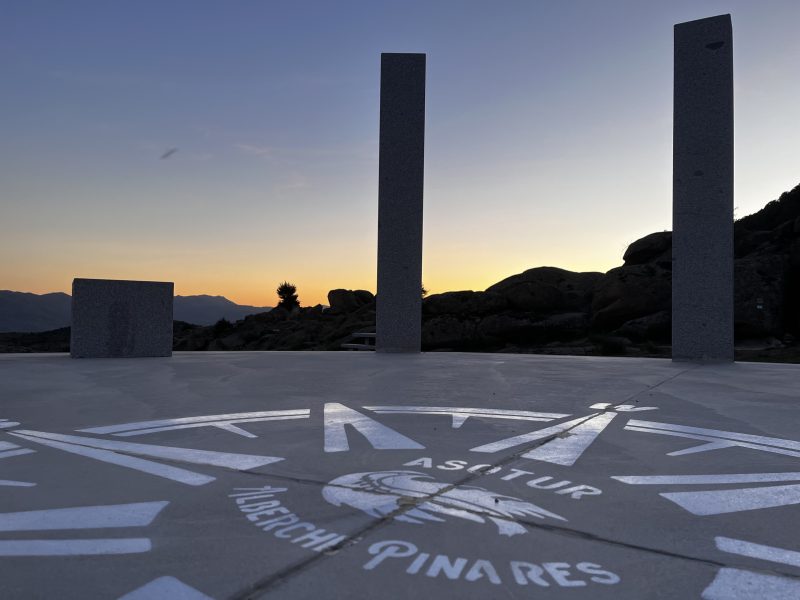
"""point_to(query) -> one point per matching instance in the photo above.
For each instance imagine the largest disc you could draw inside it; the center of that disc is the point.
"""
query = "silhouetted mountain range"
(26, 312)
(207, 310)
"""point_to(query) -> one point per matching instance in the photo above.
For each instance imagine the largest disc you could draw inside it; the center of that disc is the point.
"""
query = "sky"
(548, 136)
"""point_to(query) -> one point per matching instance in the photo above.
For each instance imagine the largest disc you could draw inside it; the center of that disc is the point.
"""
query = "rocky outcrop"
(307, 328)
(631, 303)
(656, 327)
(630, 292)
(653, 248)
(538, 306)
(759, 293)
(449, 331)
(347, 301)
(464, 303)
(547, 290)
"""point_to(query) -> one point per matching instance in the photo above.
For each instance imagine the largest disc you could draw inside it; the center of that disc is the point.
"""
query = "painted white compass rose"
(405, 494)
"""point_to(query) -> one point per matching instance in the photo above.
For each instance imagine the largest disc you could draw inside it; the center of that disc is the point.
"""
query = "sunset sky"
(548, 138)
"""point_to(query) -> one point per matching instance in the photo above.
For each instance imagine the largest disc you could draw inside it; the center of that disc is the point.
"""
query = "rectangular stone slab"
(121, 319)
(702, 242)
(402, 149)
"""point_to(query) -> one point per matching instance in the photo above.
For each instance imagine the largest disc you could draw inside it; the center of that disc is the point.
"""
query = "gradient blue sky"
(548, 136)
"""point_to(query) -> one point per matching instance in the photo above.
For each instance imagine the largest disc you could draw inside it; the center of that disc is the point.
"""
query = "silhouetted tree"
(287, 292)
(221, 326)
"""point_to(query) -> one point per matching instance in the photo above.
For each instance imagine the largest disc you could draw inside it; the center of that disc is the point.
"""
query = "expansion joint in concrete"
(632, 397)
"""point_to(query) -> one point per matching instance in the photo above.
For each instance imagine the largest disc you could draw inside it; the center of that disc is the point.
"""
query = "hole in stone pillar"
(715, 45)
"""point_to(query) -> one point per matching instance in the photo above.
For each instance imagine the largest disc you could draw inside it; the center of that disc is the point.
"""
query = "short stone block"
(121, 319)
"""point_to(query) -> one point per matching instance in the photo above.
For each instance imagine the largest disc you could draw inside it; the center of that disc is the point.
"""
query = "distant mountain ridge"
(207, 310)
(27, 312)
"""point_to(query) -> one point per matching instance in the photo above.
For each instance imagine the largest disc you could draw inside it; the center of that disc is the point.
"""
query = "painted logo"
(382, 493)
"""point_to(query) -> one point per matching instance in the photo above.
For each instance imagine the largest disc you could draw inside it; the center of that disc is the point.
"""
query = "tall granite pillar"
(400, 177)
(702, 191)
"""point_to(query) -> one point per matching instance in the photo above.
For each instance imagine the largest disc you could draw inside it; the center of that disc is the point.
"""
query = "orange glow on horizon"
(312, 287)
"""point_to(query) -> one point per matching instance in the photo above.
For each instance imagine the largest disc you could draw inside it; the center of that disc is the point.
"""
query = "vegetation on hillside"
(287, 292)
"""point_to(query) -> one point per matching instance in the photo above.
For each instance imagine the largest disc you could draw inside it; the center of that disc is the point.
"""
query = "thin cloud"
(296, 181)
(256, 149)
(365, 152)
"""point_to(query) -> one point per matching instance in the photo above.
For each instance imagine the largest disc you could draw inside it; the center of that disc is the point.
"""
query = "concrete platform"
(361, 475)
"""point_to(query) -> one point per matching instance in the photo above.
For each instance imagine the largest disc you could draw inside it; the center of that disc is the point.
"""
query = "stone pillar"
(400, 177)
(702, 191)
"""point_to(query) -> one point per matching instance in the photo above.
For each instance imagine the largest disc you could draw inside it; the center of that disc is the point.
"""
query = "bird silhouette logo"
(384, 493)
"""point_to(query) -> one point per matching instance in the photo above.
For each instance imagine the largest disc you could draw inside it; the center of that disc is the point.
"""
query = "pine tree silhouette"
(287, 292)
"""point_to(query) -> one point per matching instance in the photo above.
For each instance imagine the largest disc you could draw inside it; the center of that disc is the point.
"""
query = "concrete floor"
(356, 475)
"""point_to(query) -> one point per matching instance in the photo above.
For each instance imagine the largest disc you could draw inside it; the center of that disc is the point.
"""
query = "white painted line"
(74, 547)
(459, 420)
(752, 550)
(621, 407)
(131, 462)
(566, 450)
(5, 423)
(712, 446)
(11, 483)
(464, 413)
(380, 436)
(165, 588)
(7, 450)
(738, 500)
(224, 425)
(528, 437)
(138, 514)
(485, 412)
(706, 479)
(20, 452)
(229, 427)
(714, 443)
(736, 584)
(221, 421)
(239, 462)
(718, 434)
(732, 435)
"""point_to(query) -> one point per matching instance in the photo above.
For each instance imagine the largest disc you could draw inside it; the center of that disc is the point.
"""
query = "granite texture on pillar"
(121, 319)
(400, 180)
(702, 201)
